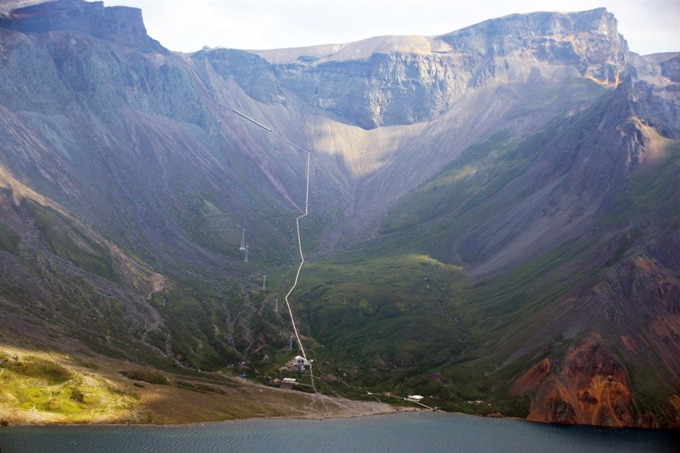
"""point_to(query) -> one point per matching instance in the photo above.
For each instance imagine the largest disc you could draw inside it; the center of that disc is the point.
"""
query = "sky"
(649, 26)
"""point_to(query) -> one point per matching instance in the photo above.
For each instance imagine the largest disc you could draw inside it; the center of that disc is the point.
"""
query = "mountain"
(492, 212)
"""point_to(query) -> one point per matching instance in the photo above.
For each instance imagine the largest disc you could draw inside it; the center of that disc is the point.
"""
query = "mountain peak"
(120, 24)
(547, 22)
(588, 40)
(410, 79)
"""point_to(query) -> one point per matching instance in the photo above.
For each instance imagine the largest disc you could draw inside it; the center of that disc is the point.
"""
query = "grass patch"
(67, 241)
(34, 367)
(44, 388)
(194, 387)
(9, 240)
(148, 376)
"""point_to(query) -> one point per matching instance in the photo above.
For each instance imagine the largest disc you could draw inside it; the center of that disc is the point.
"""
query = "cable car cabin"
(301, 362)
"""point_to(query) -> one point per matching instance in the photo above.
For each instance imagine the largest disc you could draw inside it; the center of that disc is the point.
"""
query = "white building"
(288, 383)
(301, 362)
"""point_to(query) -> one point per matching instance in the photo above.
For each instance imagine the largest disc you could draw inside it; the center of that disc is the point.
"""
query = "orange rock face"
(532, 378)
(591, 388)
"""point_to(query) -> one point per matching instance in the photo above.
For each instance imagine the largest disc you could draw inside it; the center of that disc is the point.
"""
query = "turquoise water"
(404, 432)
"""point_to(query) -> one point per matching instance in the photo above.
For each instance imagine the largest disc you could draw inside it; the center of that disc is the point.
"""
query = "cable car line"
(297, 219)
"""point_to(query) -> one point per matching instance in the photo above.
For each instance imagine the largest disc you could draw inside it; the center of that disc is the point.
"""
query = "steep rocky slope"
(493, 211)
(562, 234)
(123, 190)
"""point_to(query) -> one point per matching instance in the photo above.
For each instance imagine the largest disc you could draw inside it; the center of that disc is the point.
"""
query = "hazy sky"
(649, 26)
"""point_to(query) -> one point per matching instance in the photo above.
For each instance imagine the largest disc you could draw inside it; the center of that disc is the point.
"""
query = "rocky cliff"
(118, 24)
(404, 80)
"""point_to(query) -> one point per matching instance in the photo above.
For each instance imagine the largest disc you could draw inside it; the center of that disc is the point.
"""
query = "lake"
(402, 432)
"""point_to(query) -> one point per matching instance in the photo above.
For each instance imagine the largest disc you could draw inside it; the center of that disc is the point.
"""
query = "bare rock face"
(636, 309)
(591, 388)
(251, 72)
(587, 40)
(119, 24)
(405, 80)
(382, 90)
(641, 298)
(532, 378)
(671, 68)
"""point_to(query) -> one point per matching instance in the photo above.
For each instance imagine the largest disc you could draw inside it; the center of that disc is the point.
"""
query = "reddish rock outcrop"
(532, 378)
(591, 388)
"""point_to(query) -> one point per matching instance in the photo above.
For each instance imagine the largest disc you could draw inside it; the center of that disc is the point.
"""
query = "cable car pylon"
(243, 241)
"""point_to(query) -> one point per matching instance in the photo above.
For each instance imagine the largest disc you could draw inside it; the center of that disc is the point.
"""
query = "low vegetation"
(38, 389)
(57, 388)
